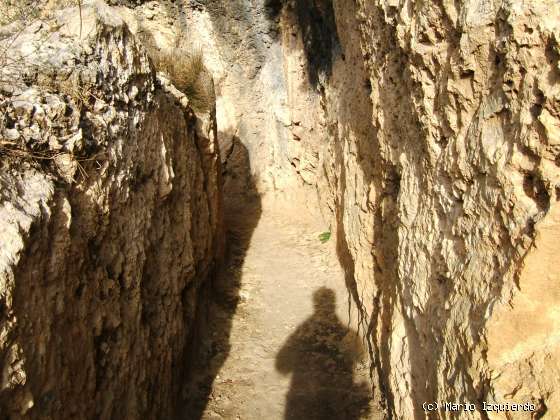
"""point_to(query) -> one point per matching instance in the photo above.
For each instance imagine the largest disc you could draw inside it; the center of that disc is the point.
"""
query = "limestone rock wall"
(107, 233)
(429, 132)
(437, 125)
(239, 41)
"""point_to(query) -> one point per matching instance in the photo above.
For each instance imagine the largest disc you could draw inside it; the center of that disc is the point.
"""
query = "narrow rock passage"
(278, 342)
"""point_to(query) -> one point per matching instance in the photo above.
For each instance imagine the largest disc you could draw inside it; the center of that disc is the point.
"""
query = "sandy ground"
(278, 342)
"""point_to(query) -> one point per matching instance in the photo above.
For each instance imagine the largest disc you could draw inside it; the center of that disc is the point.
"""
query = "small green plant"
(325, 236)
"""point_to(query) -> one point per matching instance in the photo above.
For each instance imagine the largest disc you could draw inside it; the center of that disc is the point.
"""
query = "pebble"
(11, 134)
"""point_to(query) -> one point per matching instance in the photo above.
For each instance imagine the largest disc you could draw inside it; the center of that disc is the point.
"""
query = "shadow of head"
(324, 301)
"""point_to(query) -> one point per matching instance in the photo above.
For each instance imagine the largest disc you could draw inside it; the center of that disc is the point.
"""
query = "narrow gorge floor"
(279, 344)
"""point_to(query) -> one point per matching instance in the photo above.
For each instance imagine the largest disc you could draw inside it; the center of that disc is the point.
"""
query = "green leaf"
(325, 236)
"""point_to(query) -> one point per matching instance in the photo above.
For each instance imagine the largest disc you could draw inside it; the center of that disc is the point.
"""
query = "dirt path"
(280, 346)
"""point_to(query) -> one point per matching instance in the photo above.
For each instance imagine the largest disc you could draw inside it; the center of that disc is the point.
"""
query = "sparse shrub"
(185, 68)
(27, 11)
(18, 72)
(15, 16)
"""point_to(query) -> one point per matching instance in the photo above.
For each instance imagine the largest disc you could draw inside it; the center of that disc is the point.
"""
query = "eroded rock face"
(429, 131)
(239, 42)
(441, 172)
(106, 244)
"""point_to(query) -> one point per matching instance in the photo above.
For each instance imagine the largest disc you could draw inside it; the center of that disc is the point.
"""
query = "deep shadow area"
(321, 355)
(316, 21)
(220, 298)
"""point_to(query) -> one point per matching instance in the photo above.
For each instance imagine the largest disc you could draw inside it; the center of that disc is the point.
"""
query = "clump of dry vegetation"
(185, 68)
(15, 16)
(27, 11)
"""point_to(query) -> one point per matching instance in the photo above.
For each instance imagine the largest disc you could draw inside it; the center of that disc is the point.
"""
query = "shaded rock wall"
(238, 40)
(106, 243)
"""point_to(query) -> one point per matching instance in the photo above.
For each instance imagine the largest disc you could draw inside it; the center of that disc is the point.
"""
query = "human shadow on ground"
(321, 356)
(220, 298)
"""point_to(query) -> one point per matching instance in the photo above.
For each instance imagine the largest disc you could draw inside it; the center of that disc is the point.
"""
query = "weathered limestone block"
(447, 203)
(106, 243)
(436, 129)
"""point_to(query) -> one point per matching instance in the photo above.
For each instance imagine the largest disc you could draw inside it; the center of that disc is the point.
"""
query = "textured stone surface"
(430, 131)
(238, 43)
(101, 259)
(443, 187)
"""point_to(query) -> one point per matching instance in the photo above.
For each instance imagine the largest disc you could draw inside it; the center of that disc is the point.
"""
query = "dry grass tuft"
(186, 70)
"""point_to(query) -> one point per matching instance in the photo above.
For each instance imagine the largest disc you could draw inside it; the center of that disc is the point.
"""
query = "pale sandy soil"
(279, 343)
